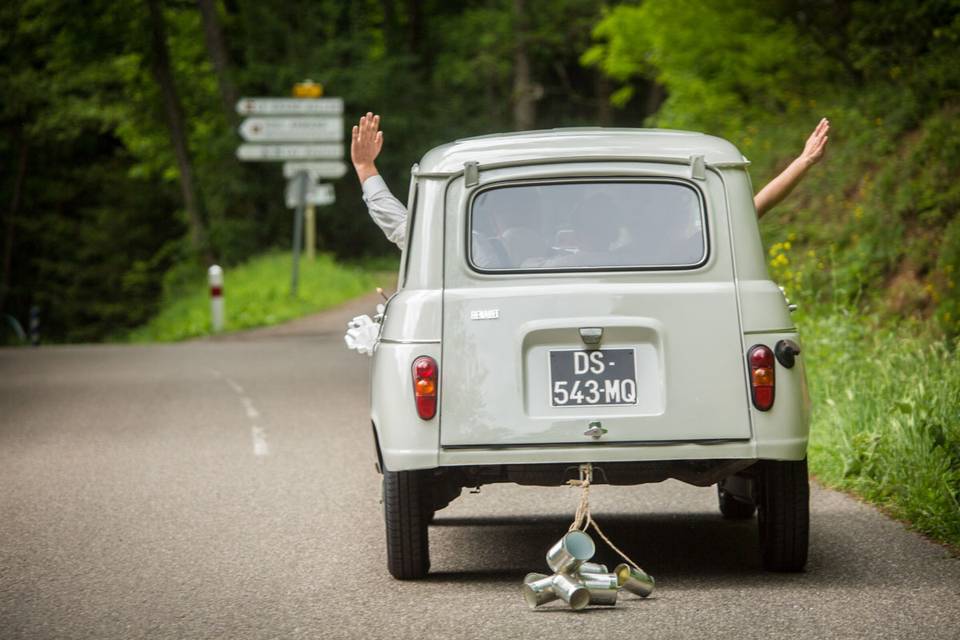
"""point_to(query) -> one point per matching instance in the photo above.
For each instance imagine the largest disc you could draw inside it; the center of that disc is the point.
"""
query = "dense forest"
(120, 183)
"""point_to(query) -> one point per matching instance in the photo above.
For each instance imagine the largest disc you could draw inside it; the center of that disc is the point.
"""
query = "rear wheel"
(783, 514)
(407, 509)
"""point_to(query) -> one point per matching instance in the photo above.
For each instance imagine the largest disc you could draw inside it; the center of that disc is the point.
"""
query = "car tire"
(732, 508)
(783, 515)
(406, 513)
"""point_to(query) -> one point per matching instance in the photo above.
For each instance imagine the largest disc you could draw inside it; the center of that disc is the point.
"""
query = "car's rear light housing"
(762, 371)
(425, 376)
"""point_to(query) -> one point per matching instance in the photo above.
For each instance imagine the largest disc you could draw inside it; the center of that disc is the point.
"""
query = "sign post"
(306, 133)
(311, 237)
(298, 229)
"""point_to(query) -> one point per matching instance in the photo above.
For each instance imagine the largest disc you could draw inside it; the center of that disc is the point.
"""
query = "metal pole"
(298, 231)
(311, 241)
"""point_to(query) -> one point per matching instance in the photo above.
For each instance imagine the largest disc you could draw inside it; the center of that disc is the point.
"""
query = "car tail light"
(762, 383)
(425, 372)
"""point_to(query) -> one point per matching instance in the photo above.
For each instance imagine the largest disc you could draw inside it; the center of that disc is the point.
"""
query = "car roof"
(580, 142)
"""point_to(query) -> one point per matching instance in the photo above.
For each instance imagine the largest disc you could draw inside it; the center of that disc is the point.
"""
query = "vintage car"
(588, 295)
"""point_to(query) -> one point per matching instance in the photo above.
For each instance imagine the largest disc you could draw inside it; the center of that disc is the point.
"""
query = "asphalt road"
(226, 489)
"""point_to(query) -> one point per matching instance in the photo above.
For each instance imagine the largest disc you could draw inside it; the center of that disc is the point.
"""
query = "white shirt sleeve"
(388, 212)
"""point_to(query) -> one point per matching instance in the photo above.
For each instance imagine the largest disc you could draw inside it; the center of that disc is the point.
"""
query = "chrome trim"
(392, 341)
(580, 445)
(763, 331)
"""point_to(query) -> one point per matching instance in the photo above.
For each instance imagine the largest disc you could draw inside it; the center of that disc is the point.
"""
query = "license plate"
(593, 377)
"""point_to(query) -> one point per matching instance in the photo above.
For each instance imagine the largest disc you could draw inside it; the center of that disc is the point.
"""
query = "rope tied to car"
(583, 519)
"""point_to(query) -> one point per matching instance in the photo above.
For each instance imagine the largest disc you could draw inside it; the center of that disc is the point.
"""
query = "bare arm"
(781, 186)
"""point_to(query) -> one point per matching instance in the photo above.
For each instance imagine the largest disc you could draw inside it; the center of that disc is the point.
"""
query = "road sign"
(327, 169)
(303, 129)
(279, 152)
(289, 106)
(317, 194)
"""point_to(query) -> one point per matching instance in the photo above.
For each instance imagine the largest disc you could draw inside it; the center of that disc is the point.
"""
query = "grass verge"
(886, 417)
(257, 294)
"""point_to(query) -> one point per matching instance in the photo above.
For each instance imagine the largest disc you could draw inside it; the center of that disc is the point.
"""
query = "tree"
(525, 91)
(160, 65)
(219, 56)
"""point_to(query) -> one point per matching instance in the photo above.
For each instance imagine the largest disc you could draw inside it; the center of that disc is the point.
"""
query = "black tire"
(732, 508)
(783, 515)
(406, 513)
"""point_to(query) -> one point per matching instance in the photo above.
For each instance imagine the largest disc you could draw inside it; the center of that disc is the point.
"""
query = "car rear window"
(587, 225)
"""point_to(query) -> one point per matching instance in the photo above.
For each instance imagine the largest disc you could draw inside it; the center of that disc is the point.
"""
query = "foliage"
(727, 78)
(100, 171)
(257, 293)
(879, 223)
(886, 423)
(76, 199)
(894, 243)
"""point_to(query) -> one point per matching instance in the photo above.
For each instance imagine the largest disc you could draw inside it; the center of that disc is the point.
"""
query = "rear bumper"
(769, 449)
(406, 442)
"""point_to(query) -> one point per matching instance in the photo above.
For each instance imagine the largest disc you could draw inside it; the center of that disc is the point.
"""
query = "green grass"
(257, 294)
(886, 417)
(869, 247)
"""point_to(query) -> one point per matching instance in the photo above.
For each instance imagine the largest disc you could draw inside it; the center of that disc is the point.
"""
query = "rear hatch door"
(569, 301)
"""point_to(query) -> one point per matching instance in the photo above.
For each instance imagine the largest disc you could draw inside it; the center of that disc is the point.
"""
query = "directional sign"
(304, 129)
(289, 106)
(327, 169)
(278, 152)
(317, 194)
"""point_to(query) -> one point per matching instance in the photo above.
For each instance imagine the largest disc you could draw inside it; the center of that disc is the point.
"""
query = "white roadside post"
(215, 278)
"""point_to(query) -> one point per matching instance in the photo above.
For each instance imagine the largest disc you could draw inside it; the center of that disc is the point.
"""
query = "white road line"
(252, 412)
(259, 436)
(260, 447)
(234, 385)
